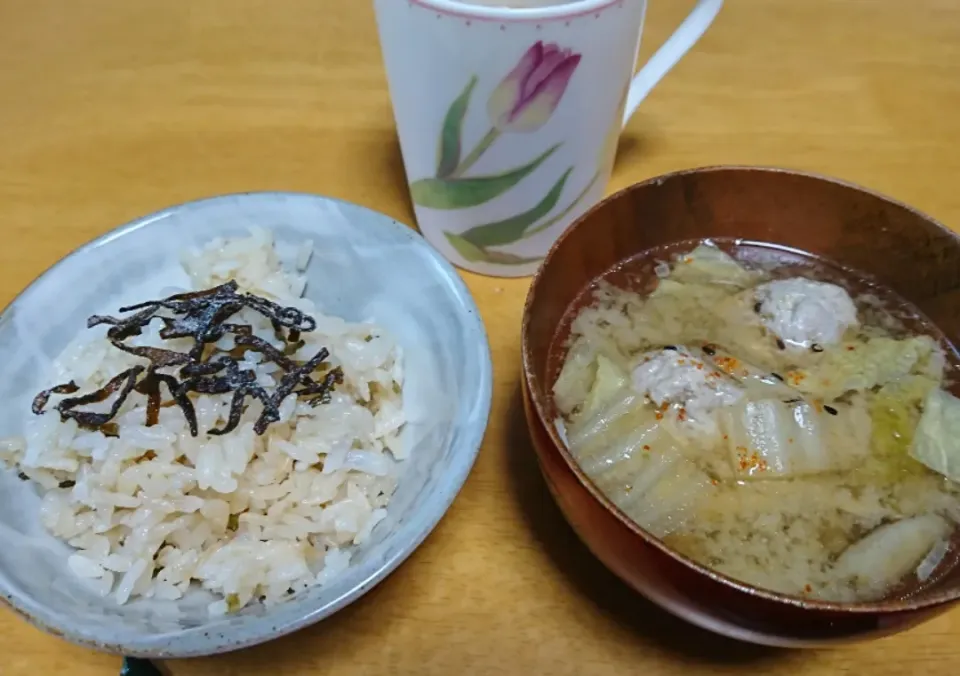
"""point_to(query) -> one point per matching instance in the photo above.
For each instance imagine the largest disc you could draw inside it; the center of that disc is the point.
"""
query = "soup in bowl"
(739, 385)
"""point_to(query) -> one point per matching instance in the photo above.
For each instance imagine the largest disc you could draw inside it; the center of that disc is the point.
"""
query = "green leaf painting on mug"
(506, 258)
(512, 229)
(476, 254)
(459, 193)
(473, 243)
(566, 212)
(450, 134)
(469, 251)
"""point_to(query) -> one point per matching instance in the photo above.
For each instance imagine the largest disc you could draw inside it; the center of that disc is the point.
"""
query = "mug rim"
(466, 9)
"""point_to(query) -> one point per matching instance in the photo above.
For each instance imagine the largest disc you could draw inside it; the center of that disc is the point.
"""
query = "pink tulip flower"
(527, 97)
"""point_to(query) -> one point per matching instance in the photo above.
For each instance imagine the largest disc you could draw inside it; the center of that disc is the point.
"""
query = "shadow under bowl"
(899, 247)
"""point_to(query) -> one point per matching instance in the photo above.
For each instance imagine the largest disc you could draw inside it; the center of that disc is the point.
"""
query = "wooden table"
(110, 109)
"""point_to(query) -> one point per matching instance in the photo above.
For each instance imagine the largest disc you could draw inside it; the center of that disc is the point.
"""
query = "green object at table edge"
(134, 666)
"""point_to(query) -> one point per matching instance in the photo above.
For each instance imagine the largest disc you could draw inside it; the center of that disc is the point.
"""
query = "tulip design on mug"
(528, 96)
(522, 103)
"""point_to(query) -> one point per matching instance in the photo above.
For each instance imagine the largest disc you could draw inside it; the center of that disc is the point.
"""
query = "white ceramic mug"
(509, 117)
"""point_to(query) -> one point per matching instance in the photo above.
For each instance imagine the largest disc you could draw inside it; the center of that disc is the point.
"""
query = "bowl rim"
(538, 398)
(217, 641)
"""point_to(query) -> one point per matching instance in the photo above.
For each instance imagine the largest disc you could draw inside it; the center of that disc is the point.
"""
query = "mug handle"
(665, 58)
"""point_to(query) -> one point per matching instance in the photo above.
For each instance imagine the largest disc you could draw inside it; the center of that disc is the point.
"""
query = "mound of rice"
(154, 510)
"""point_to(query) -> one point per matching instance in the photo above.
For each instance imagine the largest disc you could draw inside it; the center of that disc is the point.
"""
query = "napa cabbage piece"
(738, 328)
(862, 365)
(652, 483)
(932, 560)
(682, 308)
(664, 494)
(618, 416)
(682, 304)
(576, 377)
(673, 313)
(772, 438)
(610, 378)
(846, 436)
(707, 264)
(667, 287)
(936, 442)
(613, 446)
(883, 558)
(895, 411)
(758, 383)
(620, 324)
(587, 381)
(620, 456)
(622, 448)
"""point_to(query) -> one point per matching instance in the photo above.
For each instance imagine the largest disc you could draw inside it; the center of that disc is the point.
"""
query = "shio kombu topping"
(40, 401)
(204, 369)
(121, 384)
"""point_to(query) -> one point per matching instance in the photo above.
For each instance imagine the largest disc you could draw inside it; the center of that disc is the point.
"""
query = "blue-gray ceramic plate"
(365, 265)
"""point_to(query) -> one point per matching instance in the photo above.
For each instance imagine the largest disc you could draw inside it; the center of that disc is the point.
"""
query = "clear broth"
(882, 312)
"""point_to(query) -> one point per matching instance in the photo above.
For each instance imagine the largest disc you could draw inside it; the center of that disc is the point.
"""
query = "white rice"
(154, 510)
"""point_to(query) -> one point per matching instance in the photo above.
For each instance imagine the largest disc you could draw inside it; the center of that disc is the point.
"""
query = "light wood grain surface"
(110, 109)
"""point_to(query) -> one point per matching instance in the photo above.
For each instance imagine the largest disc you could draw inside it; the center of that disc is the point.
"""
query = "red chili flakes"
(742, 457)
(699, 366)
(725, 437)
(795, 377)
(682, 414)
(646, 447)
(750, 462)
(807, 589)
(714, 482)
(728, 364)
(658, 415)
(851, 348)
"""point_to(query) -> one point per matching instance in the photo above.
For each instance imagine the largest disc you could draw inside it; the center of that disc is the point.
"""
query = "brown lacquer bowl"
(900, 247)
